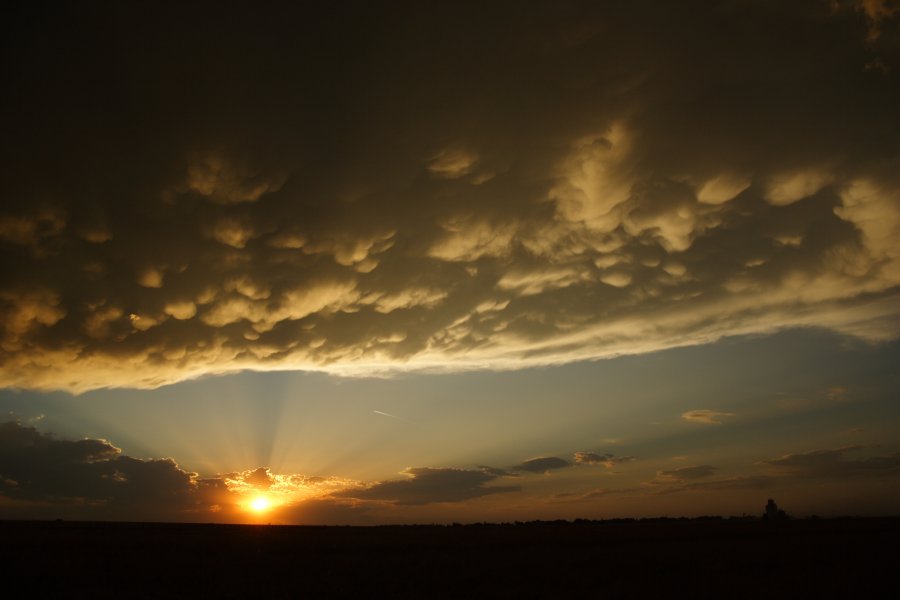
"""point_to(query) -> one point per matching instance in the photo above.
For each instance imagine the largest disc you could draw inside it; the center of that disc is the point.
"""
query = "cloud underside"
(599, 181)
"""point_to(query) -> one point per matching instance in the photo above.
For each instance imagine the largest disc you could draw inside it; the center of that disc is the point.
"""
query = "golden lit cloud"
(706, 416)
(585, 209)
(30, 229)
(452, 163)
(790, 187)
(226, 181)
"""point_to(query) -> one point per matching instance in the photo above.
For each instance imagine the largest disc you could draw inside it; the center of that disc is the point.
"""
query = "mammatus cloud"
(526, 199)
(705, 416)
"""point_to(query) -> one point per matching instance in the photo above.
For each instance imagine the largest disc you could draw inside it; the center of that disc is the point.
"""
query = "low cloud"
(595, 494)
(94, 475)
(91, 478)
(425, 485)
(260, 478)
(833, 464)
(543, 464)
(499, 472)
(705, 416)
(751, 482)
(687, 473)
(609, 461)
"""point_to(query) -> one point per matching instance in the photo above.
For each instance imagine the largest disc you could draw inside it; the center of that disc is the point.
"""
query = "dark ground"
(839, 558)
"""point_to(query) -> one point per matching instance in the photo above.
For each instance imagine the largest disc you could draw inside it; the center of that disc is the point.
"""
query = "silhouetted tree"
(773, 513)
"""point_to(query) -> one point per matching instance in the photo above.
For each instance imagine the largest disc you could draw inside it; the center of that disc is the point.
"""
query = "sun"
(260, 504)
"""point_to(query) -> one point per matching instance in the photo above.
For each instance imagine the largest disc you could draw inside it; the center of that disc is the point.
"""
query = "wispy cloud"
(687, 473)
(833, 463)
(389, 415)
(705, 416)
(743, 482)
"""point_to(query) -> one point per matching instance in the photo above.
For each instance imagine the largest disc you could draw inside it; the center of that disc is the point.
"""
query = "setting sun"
(260, 504)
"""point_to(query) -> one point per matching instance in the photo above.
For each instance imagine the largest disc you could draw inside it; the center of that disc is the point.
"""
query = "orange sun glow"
(260, 504)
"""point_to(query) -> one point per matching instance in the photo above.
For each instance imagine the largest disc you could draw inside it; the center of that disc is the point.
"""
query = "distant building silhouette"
(773, 513)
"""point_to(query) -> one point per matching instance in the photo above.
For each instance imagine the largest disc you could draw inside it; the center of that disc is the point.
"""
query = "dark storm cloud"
(426, 485)
(360, 187)
(95, 477)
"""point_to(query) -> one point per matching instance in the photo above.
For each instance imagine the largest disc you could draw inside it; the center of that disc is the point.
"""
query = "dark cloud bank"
(428, 485)
(362, 186)
(45, 477)
(88, 478)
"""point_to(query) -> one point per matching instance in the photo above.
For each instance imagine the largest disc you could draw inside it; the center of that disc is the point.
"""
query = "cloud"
(878, 11)
(499, 472)
(607, 460)
(665, 485)
(33, 227)
(426, 485)
(819, 464)
(750, 482)
(543, 464)
(705, 416)
(452, 163)
(259, 478)
(595, 494)
(699, 478)
(93, 479)
(92, 474)
(687, 473)
(525, 201)
(220, 179)
(833, 464)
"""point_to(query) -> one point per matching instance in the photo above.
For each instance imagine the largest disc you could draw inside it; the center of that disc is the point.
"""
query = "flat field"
(827, 558)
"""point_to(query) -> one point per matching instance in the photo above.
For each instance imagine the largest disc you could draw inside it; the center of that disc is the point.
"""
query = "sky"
(390, 262)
